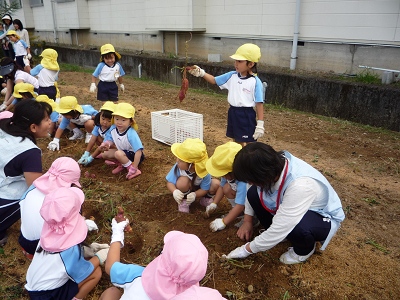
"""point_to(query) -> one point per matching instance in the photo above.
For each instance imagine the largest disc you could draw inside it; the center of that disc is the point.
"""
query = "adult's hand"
(239, 252)
(245, 231)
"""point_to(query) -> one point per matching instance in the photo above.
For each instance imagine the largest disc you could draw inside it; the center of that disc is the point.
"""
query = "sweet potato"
(121, 217)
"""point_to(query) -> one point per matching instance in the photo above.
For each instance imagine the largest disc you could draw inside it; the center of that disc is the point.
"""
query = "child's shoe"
(76, 136)
(206, 201)
(118, 169)
(183, 207)
(132, 172)
(88, 137)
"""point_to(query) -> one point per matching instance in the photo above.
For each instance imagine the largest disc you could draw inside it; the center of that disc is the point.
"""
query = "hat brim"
(213, 171)
(237, 57)
(64, 111)
(5, 70)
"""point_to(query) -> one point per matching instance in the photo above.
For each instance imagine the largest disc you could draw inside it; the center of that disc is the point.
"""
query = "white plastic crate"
(176, 125)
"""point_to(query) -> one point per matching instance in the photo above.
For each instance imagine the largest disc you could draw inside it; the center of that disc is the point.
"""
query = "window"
(34, 3)
(62, 1)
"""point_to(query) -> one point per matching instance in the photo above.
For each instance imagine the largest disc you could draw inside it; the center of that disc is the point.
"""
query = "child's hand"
(178, 196)
(259, 131)
(54, 145)
(217, 224)
(118, 231)
(122, 87)
(92, 88)
(196, 71)
(102, 255)
(29, 56)
(83, 158)
(190, 198)
(210, 209)
(88, 160)
(105, 146)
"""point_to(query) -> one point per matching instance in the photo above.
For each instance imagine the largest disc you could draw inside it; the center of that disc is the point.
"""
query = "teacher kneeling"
(20, 159)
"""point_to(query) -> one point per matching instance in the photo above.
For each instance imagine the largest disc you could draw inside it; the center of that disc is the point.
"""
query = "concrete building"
(321, 35)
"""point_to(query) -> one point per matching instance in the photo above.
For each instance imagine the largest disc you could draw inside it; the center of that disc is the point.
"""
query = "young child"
(22, 91)
(245, 93)
(108, 71)
(188, 179)
(63, 172)
(47, 73)
(75, 116)
(59, 269)
(181, 265)
(21, 49)
(55, 116)
(220, 165)
(129, 149)
(103, 124)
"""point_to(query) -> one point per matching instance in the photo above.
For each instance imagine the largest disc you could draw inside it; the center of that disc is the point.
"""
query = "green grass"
(75, 68)
(377, 246)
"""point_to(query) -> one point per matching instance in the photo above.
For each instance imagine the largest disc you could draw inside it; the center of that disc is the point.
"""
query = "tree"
(6, 8)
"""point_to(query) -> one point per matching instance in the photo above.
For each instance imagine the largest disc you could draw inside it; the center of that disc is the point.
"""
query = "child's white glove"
(25, 59)
(97, 247)
(84, 118)
(102, 255)
(178, 196)
(29, 56)
(190, 198)
(54, 145)
(4, 92)
(3, 107)
(210, 209)
(91, 225)
(118, 231)
(92, 88)
(259, 131)
(217, 224)
(197, 71)
(83, 158)
(122, 87)
(239, 252)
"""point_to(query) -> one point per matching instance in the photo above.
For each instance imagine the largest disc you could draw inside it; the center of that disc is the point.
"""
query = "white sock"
(127, 164)
(76, 130)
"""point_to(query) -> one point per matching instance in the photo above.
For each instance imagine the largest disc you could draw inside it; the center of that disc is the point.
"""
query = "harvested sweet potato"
(121, 217)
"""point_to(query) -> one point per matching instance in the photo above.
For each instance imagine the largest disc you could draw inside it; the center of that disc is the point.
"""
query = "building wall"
(335, 36)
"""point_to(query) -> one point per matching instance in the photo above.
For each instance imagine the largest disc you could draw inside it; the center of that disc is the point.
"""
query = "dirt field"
(363, 165)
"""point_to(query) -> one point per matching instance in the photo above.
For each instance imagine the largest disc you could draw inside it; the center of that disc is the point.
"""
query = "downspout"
(54, 21)
(293, 56)
(176, 43)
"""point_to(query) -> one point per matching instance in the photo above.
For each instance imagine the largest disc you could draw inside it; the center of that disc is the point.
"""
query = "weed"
(370, 201)
(286, 295)
(377, 246)
(347, 209)
(316, 157)
(368, 76)
(74, 68)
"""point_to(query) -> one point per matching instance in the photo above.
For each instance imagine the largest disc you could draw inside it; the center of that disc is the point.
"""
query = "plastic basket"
(176, 125)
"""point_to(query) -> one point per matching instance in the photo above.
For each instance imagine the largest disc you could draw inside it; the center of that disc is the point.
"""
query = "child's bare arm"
(233, 214)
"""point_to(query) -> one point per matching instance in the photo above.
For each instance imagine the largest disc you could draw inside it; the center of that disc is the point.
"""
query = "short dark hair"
(105, 113)
(259, 164)
(108, 55)
(26, 113)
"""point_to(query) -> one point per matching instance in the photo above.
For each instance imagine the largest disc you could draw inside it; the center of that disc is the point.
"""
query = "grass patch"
(74, 68)
(370, 201)
(377, 246)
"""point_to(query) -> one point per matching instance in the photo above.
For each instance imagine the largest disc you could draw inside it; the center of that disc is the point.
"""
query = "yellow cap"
(27, 88)
(250, 52)
(221, 162)
(192, 151)
(49, 60)
(108, 48)
(126, 110)
(12, 32)
(45, 98)
(67, 104)
(109, 105)
(16, 93)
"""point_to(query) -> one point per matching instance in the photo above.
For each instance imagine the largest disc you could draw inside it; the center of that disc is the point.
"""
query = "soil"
(362, 164)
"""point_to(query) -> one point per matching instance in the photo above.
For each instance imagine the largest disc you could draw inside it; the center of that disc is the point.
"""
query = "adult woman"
(21, 31)
(20, 159)
(291, 199)
(14, 75)
(8, 25)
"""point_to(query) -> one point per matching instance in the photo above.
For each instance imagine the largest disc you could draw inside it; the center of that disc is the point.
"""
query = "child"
(123, 134)
(21, 50)
(22, 91)
(188, 179)
(58, 269)
(103, 124)
(181, 265)
(47, 73)
(55, 116)
(108, 71)
(76, 116)
(220, 165)
(63, 172)
(245, 92)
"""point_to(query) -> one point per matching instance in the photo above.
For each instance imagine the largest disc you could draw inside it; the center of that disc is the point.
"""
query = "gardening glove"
(25, 59)
(87, 252)
(190, 198)
(54, 145)
(3, 92)
(29, 56)
(102, 255)
(97, 247)
(3, 107)
(197, 71)
(178, 196)
(83, 158)
(91, 225)
(122, 87)
(210, 209)
(217, 224)
(118, 231)
(239, 252)
(84, 118)
(259, 131)
(88, 160)
(92, 88)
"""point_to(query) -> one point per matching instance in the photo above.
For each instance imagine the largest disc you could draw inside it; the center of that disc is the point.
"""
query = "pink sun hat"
(63, 172)
(199, 293)
(6, 114)
(63, 226)
(182, 263)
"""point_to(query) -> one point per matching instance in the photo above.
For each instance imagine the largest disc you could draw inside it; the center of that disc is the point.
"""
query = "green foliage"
(368, 76)
(6, 8)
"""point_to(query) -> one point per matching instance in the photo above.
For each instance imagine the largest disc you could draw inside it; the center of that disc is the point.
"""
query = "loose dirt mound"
(363, 165)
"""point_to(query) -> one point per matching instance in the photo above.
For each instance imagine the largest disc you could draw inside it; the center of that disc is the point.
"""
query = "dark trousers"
(8, 216)
(310, 229)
